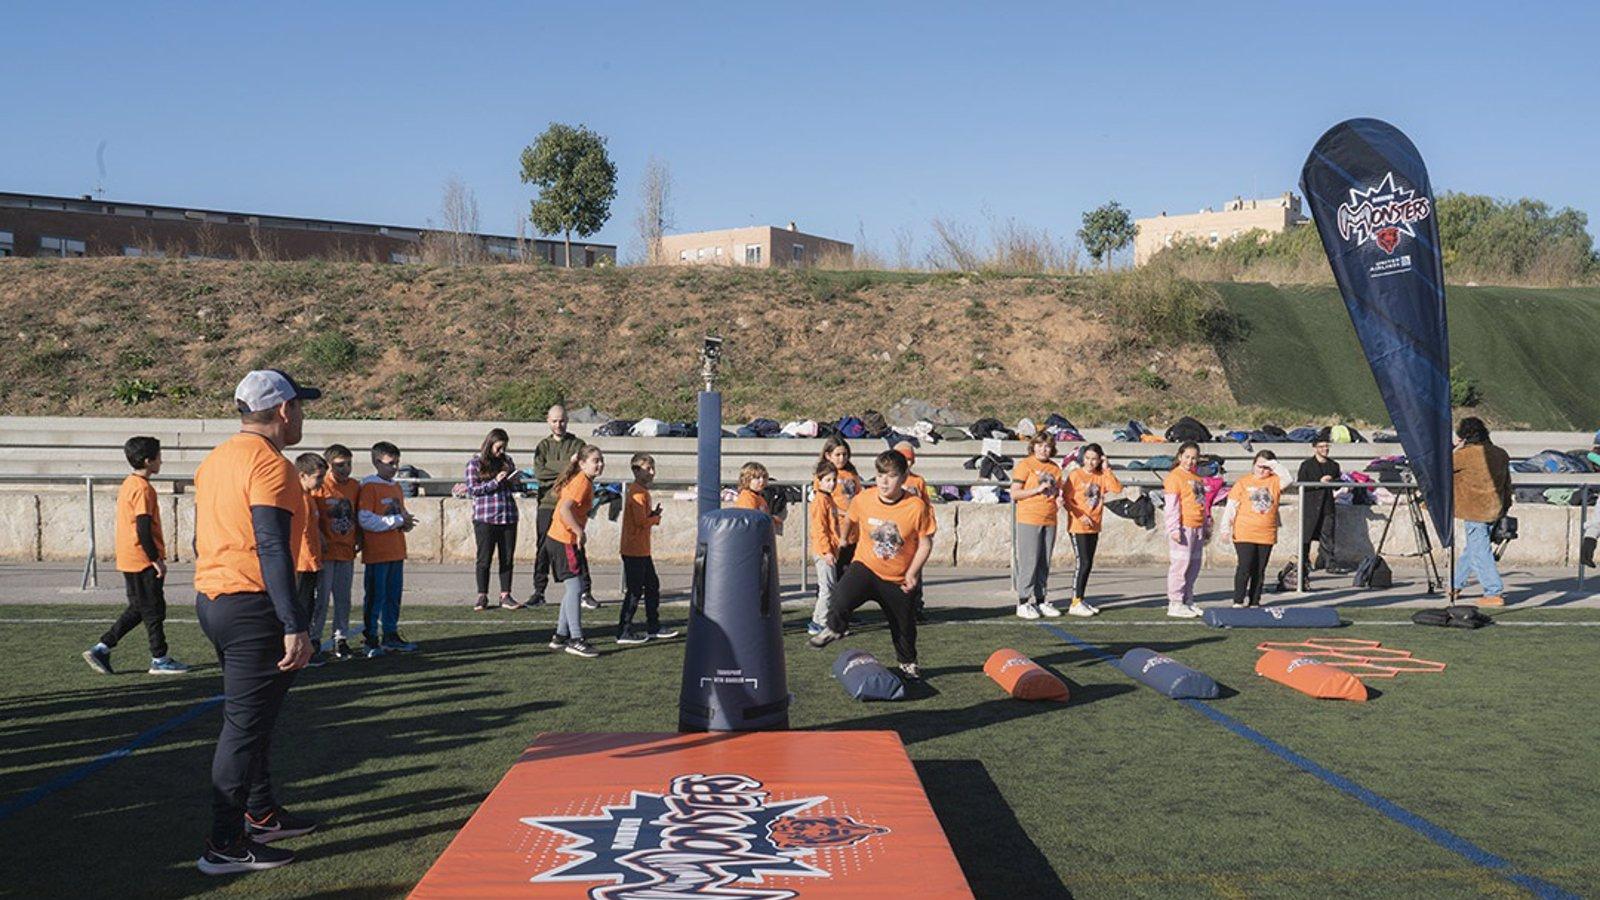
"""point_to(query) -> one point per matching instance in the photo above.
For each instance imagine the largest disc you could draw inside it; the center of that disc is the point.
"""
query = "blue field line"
(1441, 836)
(62, 782)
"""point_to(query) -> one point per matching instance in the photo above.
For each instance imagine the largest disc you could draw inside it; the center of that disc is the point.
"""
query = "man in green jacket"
(549, 458)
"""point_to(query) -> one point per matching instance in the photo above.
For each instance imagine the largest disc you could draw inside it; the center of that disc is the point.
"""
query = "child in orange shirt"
(1084, 501)
(824, 540)
(639, 578)
(141, 558)
(312, 543)
(337, 496)
(381, 513)
(753, 479)
(1250, 520)
(1035, 485)
(569, 562)
(847, 485)
(1188, 525)
(915, 483)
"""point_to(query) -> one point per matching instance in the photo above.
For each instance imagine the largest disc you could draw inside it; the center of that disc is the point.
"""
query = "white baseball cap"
(266, 388)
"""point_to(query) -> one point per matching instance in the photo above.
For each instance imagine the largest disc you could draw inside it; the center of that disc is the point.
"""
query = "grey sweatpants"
(1031, 573)
(826, 576)
(333, 582)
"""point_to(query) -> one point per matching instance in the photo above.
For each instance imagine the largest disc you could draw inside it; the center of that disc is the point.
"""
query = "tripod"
(1419, 534)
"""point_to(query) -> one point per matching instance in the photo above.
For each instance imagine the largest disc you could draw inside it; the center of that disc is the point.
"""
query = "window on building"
(550, 249)
(588, 257)
(752, 254)
(700, 254)
(1213, 237)
(798, 252)
(8, 243)
(719, 253)
(404, 259)
(683, 256)
(60, 246)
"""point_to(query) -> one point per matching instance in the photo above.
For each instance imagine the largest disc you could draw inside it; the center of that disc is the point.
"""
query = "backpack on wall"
(1373, 573)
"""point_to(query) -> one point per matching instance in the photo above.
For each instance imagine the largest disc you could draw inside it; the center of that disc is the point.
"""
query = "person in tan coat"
(1482, 495)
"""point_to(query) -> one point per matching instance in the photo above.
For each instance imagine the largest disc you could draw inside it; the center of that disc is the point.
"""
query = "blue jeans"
(1477, 556)
(381, 604)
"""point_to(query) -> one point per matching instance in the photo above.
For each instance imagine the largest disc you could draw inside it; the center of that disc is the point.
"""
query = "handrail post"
(91, 566)
(805, 536)
(1300, 542)
(1583, 523)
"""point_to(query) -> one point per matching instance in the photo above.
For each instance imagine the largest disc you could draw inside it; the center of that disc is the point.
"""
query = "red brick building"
(37, 225)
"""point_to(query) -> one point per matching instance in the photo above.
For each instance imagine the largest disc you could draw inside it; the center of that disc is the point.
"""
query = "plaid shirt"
(493, 502)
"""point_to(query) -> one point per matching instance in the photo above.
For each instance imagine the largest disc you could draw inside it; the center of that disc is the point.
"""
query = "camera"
(710, 356)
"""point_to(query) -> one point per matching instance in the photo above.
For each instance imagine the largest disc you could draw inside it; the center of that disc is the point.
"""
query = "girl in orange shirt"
(753, 479)
(569, 563)
(1035, 485)
(1187, 529)
(1251, 520)
(846, 486)
(1084, 501)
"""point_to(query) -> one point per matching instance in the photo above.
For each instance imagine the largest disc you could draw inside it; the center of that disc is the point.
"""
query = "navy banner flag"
(1373, 207)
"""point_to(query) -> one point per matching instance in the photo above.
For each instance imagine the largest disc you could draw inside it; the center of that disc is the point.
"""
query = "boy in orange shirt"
(337, 497)
(824, 540)
(381, 513)
(896, 531)
(638, 568)
(141, 558)
(311, 543)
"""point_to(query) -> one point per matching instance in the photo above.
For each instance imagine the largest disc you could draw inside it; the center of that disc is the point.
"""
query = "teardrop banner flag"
(1373, 206)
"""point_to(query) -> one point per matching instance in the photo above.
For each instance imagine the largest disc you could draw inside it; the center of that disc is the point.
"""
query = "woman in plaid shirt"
(493, 483)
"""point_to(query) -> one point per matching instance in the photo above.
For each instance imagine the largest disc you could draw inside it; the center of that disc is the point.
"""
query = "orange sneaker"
(1491, 601)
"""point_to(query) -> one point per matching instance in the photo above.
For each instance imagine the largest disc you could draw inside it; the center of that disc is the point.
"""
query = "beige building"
(1238, 216)
(764, 246)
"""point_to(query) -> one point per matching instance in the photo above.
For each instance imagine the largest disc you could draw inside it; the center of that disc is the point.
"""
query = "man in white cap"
(246, 497)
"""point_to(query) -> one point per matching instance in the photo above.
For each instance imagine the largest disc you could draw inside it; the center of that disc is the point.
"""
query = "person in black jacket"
(1316, 517)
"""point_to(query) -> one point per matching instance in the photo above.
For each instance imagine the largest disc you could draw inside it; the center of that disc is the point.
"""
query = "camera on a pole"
(710, 357)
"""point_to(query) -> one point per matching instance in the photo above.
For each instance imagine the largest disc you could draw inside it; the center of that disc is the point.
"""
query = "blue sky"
(847, 118)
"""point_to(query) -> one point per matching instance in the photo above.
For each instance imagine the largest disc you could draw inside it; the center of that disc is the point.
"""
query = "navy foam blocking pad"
(864, 678)
(1274, 617)
(1166, 675)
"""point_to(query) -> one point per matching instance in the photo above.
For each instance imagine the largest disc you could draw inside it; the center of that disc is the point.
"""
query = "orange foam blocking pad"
(1311, 676)
(761, 815)
(1023, 678)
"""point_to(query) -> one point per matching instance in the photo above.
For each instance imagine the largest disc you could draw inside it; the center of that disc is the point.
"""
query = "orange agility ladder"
(1310, 675)
(1023, 678)
(1363, 659)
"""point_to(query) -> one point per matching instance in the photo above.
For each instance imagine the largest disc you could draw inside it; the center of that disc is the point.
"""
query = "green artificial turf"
(1119, 792)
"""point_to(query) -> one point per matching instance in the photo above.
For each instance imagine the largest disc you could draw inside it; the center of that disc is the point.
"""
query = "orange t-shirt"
(890, 532)
(1041, 508)
(916, 484)
(580, 490)
(1086, 496)
(749, 499)
(637, 521)
(381, 498)
(845, 488)
(824, 525)
(337, 517)
(243, 471)
(137, 497)
(1191, 491)
(1255, 516)
(308, 552)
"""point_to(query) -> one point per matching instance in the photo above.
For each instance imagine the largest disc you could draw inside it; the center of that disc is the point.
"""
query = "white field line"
(1074, 623)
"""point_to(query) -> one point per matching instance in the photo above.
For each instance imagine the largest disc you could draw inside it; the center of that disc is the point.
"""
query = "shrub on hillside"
(527, 400)
(1155, 306)
(329, 351)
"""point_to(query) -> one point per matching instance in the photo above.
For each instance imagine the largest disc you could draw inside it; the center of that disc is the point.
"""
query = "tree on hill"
(655, 209)
(1107, 229)
(576, 179)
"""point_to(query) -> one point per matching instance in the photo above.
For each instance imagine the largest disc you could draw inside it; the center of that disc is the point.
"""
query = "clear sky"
(846, 118)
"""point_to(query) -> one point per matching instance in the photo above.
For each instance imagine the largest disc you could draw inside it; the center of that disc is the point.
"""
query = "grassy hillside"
(1531, 352)
(170, 338)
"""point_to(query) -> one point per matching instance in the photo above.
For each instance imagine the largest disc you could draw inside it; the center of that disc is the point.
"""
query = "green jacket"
(550, 458)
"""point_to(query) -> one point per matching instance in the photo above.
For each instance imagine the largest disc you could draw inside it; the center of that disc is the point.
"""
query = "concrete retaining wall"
(50, 526)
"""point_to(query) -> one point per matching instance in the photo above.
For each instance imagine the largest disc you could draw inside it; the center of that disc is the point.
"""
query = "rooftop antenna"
(100, 162)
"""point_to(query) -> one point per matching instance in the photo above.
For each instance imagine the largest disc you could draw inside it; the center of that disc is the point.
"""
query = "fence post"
(1583, 523)
(1300, 540)
(91, 566)
(805, 535)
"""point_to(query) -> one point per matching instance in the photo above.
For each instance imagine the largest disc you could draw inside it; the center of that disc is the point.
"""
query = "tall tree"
(1107, 229)
(655, 209)
(576, 179)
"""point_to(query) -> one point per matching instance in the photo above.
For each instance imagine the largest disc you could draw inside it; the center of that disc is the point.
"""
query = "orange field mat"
(761, 815)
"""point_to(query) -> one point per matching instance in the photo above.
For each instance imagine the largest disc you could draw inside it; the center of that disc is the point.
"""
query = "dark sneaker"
(558, 642)
(589, 602)
(244, 855)
(317, 660)
(581, 647)
(374, 651)
(394, 643)
(166, 665)
(98, 660)
(823, 638)
(663, 634)
(276, 825)
(341, 650)
(535, 600)
(481, 605)
(633, 637)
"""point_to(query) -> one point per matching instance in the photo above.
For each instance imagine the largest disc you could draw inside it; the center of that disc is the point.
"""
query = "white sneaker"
(1082, 610)
(1027, 611)
(1182, 611)
(1049, 610)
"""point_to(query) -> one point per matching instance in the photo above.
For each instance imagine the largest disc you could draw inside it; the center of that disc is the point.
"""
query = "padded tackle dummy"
(1023, 678)
(1274, 617)
(1168, 676)
(864, 678)
(733, 665)
(1310, 676)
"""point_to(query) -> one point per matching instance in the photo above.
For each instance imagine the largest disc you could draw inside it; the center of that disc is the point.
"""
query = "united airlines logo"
(706, 836)
(1381, 214)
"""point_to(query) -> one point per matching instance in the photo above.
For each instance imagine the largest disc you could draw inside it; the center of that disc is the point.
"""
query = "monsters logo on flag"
(708, 835)
(1381, 214)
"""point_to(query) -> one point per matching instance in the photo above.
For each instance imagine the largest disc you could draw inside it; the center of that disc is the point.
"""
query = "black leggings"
(858, 585)
(1084, 546)
(490, 538)
(1251, 572)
